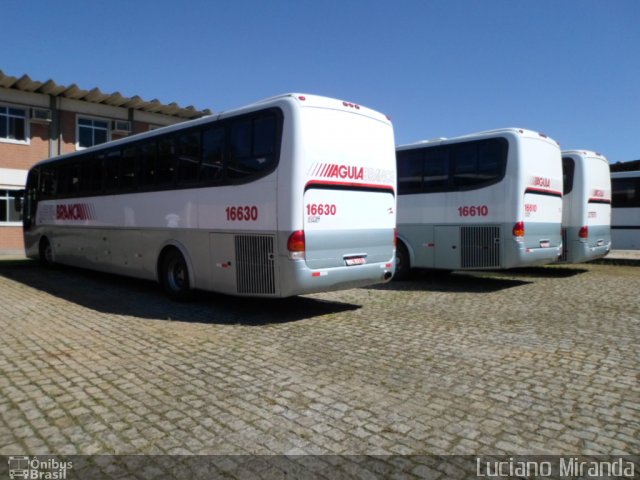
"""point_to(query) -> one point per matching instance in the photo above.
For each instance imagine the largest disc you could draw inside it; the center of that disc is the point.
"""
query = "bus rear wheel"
(403, 264)
(174, 276)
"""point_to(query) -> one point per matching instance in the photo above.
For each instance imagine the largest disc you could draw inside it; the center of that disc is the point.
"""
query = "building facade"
(39, 120)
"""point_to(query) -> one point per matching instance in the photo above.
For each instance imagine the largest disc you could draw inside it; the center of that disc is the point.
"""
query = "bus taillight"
(296, 245)
(518, 230)
(395, 237)
(583, 232)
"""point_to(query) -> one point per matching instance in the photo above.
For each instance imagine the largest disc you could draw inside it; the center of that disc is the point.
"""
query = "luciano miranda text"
(566, 467)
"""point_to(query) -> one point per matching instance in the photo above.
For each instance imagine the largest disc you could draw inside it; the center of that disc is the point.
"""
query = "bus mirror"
(17, 205)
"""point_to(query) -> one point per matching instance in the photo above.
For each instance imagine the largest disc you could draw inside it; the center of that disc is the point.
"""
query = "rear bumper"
(298, 279)
(578, 252)
(523, 256)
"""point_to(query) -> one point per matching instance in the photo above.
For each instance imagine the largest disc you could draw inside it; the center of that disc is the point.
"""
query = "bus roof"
(299, 99)
(485, 134)
(586, 154)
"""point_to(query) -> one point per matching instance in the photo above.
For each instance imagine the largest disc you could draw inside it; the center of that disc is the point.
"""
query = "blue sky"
(438, 68)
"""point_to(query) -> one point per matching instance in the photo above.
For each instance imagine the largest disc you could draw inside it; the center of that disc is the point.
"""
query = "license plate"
(545, 244)
(355, 261)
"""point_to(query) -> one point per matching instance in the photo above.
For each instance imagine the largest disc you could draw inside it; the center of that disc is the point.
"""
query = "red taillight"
(302, 98)
(518, 229)
(584, 232)
(395, 238)
(296, 245)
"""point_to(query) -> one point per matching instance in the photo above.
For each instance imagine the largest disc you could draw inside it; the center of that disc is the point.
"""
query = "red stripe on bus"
(329, 184)
(542, 191)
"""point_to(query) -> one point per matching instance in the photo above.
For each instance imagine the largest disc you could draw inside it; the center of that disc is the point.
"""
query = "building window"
(13, 124)
(8, 212)
(92, 131)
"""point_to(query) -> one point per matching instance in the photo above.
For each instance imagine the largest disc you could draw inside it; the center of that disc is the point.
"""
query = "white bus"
(489, 200)
(291, 195)
(625, 214)
(586, 206)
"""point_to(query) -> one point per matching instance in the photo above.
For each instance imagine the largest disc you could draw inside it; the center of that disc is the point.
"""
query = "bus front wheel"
(174, 276)
(45, 252)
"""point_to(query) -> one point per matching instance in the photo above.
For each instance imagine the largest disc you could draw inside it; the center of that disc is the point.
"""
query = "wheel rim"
(48, 253)
(177, 276)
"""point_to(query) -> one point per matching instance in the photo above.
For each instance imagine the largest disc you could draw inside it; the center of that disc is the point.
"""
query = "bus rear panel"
(586, 213)
(484, 201)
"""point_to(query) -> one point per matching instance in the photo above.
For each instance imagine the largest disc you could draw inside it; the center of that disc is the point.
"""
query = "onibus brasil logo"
(38, 469)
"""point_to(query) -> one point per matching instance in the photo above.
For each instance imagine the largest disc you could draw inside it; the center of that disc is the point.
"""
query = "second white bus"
(586, 208)
(287, 196)
(491, 200)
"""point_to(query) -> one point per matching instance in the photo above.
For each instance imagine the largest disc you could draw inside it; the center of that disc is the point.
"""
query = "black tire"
(403, 264)
(174, 276)
(45, 252)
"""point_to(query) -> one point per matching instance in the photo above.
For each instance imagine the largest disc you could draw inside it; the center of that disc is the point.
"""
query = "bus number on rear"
(473, 211)
(321, 209)
(530, 208)
(242, 213)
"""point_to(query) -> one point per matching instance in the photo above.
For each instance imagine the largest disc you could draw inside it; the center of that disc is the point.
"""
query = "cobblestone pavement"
(536, 361)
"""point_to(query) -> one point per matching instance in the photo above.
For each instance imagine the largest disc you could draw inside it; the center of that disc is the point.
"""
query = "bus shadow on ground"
(118, 295)
(550, 271)
(463, 282)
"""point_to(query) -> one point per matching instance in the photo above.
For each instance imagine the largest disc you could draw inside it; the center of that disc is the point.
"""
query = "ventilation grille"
(255, 264)
(480, 247)
(565, 246)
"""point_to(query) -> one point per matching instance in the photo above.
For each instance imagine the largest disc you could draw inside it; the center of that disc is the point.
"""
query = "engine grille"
(255, 264)
(480, 247)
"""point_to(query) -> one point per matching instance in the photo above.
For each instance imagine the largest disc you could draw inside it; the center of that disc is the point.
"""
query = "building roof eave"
(95, 95)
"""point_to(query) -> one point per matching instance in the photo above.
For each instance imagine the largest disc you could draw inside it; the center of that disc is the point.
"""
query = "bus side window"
(492, 157)
(252, 146)
(264, 134)
(91, 175)
(147, 172)
(465, 164)
(74, 178)
(49, 182)
(211, 170)
(436, 169)
(240, 149)
(188, 155)
(112, 170)
(129, 169)
(166, 164)
(64, 180)
(410, 166)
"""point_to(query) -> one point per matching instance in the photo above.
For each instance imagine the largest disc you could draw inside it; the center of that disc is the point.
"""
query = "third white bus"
(586, 208)
(291, 195)
(490, 200)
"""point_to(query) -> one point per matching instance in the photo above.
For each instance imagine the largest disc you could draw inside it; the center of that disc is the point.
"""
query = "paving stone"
(541, 361)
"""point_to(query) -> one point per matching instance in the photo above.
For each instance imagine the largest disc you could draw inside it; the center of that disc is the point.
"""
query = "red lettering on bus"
(342, 171)
(542, 182)
(74, 211)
